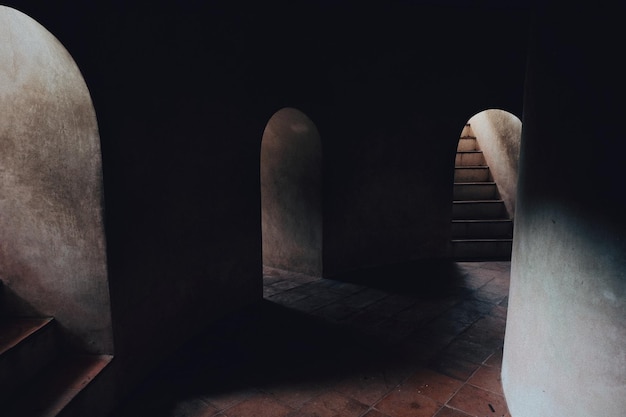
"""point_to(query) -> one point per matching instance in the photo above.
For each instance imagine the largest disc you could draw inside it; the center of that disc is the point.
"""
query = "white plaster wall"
(52, 244)
(564, 352)
(498, 133)
(291, 194)
(565, 343)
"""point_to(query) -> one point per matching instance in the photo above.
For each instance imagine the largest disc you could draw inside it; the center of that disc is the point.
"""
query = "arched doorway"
(291, 193)
(52, 242)
(485, 184)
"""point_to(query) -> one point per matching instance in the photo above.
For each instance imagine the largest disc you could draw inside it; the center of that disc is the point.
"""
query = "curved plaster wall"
(52, 244)
(565, 343)
(291, 193)
(498, 133)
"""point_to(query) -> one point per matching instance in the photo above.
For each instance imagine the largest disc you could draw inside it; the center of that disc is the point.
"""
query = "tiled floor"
(420, 340)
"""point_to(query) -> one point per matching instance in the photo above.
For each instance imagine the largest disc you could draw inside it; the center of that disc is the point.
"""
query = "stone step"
(467, 143)
(467, 130)
(482, 229)
(471, 174)
(481, 249)
(26, 346)
(475, 191)
(62, 389)
(478, 209)
(470, 158)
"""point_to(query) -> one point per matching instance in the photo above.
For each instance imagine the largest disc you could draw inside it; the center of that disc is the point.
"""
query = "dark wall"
(406, 80)
(390, 87)
(182, 92)
(180, 166)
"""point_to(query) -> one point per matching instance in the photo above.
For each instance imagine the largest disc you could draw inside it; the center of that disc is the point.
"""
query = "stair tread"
(504, 239)
(14, 330)
(57, 385)
(476, 201)
(482, 220)
(480, 228)
(476, 183)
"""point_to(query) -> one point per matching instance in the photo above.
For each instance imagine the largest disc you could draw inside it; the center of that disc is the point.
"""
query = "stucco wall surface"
(291, 193)
(565, 344)
(498, 133)
(52, 250)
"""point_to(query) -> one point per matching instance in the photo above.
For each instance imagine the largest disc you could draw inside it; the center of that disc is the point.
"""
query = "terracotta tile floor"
(419, 340)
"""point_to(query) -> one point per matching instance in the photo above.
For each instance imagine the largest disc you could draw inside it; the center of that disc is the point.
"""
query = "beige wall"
(52, 250)
(498, 133)
(291, 193)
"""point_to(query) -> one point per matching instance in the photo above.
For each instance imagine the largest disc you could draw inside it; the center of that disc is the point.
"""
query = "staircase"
(37, 379)
(481, 228)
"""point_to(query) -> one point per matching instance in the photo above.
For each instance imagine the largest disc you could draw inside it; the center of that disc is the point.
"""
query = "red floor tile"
(453, 367)
(407, 403)
(194, 408)
(488, 378)
(375, 413)
(498, 312)
(450, 412)
(432, 384)
(495, 360)
(229, 398)
(478, 402)
(469, 350)
(331, 404)
(366, 387)
(294, 393)
(258, 406)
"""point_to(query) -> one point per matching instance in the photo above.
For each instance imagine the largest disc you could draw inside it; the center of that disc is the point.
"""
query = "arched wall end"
(52, 255)
(291, 193)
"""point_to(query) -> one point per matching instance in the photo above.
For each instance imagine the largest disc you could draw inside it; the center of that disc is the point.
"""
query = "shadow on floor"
(264, 345)
(430, 278)
(347, 344)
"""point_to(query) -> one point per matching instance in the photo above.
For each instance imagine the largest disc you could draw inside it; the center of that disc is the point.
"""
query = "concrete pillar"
(565, 346)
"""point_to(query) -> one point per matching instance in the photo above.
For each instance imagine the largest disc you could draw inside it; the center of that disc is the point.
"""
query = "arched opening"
(52, 242)
(485, 185)
(291, 193)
